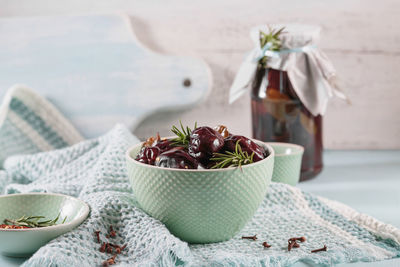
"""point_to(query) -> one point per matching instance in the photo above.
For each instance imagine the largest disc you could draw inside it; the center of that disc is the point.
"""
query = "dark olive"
(246, 144)
(203, 142)
(148, 155)
(164, 145)
(176, 158)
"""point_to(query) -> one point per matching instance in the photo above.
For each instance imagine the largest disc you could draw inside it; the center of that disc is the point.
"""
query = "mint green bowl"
(23, 242)
(202, 205)
(287, 164)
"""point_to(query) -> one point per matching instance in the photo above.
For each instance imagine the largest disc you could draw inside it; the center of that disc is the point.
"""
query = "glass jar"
(279, 116)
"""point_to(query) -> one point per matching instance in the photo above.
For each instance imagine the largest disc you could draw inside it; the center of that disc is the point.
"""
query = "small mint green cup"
(202, 205)
(287, 164)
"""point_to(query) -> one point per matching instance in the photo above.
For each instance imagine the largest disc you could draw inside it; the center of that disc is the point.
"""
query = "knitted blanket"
(95, 171)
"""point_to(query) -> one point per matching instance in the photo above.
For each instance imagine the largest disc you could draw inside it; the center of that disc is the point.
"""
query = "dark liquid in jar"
(279, 116)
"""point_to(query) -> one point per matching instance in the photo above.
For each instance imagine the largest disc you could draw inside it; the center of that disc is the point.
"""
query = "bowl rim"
(53, 227)
(299, 148)
(131, 159)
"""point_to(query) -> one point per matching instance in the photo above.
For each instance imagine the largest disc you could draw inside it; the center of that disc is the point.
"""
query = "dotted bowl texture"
(201, 206)
(287, 164)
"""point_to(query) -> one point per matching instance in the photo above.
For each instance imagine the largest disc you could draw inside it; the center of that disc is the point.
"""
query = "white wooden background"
(362, 38)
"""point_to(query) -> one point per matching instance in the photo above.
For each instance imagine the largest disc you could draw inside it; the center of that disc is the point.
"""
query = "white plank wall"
(362, 38)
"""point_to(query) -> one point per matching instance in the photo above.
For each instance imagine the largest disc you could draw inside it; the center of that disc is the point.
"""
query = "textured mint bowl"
(287, 164)
(201, 206)
(23, 242)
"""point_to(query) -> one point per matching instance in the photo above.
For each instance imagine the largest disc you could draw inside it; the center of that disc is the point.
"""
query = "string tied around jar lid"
(310, 72)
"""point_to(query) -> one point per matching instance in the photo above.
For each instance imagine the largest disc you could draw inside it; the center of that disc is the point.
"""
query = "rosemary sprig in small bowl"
(33, 219)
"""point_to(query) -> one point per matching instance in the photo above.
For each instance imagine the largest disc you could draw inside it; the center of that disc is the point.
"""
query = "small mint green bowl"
(24, 242)
(287, 164)
(202, 205)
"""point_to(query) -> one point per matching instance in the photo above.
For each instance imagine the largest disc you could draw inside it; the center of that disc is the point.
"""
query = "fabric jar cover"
(311, 73)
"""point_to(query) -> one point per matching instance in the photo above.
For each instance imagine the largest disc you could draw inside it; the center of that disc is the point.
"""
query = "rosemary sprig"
(273, 38)
(232, 159)
(183, 135)
(33, 221)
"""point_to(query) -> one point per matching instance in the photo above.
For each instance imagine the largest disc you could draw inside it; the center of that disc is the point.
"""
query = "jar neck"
(277, 81)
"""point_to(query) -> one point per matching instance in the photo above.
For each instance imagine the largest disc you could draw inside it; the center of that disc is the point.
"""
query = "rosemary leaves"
(232, 159)
(272, 39)
(183, 135)
(31, 222)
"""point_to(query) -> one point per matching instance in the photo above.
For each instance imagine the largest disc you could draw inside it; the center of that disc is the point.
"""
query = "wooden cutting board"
(95, 71)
